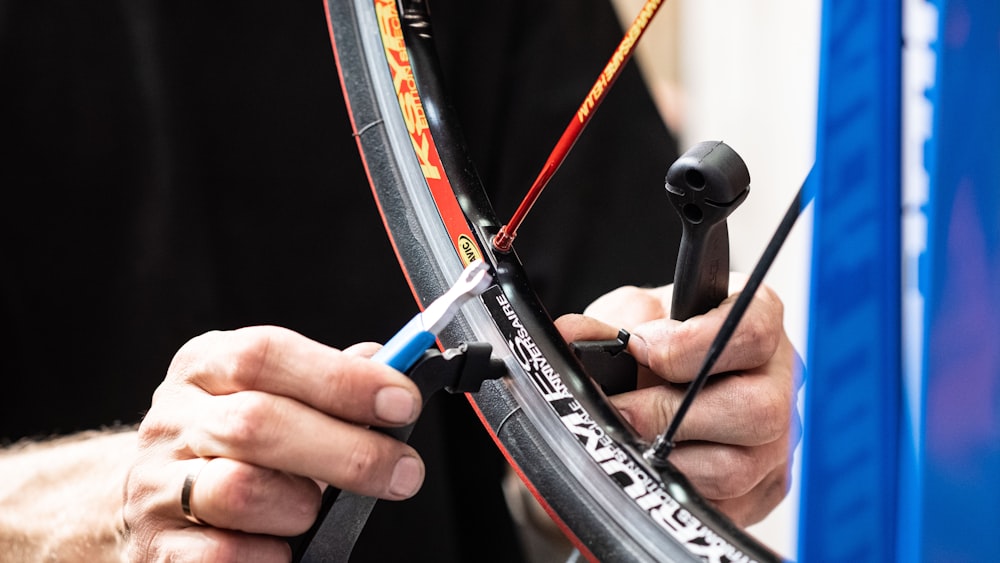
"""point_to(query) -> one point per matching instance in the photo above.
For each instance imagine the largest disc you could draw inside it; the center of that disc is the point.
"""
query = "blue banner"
(851, 418)
(959, 461)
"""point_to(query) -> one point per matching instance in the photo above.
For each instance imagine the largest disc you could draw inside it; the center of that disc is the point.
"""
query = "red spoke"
(505, 238)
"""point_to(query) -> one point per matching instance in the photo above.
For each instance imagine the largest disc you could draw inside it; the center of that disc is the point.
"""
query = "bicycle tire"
(556, 428)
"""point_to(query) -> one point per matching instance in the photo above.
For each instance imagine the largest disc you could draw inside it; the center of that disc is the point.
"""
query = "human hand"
(735, 442)
(274, 414)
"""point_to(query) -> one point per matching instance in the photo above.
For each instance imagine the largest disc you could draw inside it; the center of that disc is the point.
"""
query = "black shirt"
(175, 167)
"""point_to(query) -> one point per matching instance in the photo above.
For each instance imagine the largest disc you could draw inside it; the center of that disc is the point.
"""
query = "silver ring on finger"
(186, 491)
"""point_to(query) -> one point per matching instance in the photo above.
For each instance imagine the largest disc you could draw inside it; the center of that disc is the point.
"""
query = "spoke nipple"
(656, 455)
(503, 240)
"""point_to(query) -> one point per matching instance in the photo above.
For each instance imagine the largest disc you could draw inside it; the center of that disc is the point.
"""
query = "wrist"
(62, 499)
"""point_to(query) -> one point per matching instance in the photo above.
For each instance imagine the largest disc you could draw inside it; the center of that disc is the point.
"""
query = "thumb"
(576, 327)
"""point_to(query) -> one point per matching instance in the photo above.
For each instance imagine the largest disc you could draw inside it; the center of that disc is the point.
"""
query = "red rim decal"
(420, 134)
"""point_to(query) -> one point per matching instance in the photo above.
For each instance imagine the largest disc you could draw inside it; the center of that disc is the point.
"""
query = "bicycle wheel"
(572, 449)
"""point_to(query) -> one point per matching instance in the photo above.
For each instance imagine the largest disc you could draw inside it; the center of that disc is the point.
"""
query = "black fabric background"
(174, 167)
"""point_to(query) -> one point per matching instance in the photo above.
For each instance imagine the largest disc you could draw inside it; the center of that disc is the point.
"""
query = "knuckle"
(665, 411)
(189, 356)
(648, 410)
(143, 546)
(757, 341)
(239, 490)
(782, 484)
(234, 358)
(301, 502)
(243, 365)
(363, 463)
(153, 547)
(770, 298)
(773, 417)
(311, 504)
(246, 421)
(767, 412)
(668, 360)
(137, 495)
(731, 475)
(151, 430)
(342, 379)
(766, 496)
(222, 551)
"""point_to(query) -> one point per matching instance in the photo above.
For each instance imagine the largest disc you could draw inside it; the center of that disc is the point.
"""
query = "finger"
(238, 496)
(222, 493)
(282, 362)
(283, 434)
(753, 507)
(748, 409)
(577, 328)
(729, 472)
(363, 349)
(200, 543)
(630, 306)
(676, 351)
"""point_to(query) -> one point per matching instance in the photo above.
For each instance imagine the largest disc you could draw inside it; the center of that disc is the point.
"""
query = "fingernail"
(637, 347)
(395, 405)
(407, 477)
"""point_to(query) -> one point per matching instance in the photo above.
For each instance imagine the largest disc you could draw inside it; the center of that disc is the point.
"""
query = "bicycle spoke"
(598, 92)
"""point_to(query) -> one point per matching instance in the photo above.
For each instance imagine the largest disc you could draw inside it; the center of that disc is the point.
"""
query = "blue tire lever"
(409, 344)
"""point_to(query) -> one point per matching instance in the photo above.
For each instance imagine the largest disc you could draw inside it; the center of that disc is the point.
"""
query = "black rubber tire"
(555, 426)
